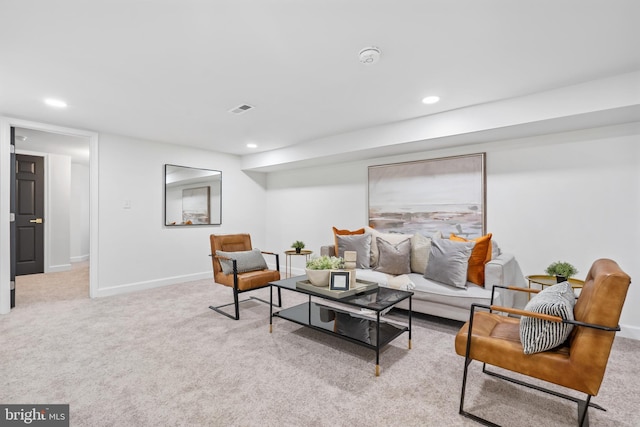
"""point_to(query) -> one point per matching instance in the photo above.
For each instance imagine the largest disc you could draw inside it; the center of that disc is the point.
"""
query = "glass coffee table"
(355, 318)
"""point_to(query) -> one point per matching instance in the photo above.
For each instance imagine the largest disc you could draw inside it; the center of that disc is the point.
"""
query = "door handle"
(37, 220)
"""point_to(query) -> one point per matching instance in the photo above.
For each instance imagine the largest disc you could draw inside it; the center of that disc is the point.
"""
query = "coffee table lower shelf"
(363, 330)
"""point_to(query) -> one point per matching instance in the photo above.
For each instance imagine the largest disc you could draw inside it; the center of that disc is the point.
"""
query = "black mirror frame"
(196, 187)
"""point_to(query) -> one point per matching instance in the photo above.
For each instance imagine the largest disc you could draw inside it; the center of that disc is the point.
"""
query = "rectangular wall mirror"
(192, 196)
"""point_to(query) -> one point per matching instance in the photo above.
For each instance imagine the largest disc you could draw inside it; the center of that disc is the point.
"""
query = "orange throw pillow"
(337, 232)
(480, 255)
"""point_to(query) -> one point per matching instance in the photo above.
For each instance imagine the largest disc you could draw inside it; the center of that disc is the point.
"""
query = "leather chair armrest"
(542, 316)
(275, 255)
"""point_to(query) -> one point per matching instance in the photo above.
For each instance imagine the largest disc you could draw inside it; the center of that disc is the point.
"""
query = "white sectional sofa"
(443, 300)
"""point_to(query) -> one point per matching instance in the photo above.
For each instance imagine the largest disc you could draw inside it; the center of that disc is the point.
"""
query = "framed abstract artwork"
(446, 195)
(195, 205)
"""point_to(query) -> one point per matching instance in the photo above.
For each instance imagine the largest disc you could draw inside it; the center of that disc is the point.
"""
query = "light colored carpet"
(161, 357)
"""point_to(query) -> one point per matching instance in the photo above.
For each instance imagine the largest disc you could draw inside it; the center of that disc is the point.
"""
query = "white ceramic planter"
(318, 277)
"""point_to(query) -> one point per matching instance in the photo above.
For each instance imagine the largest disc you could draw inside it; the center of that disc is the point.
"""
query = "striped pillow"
(537, 335)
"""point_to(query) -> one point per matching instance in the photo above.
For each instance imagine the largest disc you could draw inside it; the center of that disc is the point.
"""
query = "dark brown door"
(29, 214)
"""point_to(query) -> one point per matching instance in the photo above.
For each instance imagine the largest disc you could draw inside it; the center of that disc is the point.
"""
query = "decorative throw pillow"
(480, 255)
(338, 232)
(420, 248)
(495, 249)
(537, 335)
(245, 261)
(394, 259)
(393, 238)
(448, 262)
(361, 243)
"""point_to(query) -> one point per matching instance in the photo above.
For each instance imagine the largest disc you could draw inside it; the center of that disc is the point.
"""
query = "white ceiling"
(169, 70)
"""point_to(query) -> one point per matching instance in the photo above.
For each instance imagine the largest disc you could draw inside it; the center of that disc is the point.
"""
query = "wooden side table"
(292, 252)
(544, 280)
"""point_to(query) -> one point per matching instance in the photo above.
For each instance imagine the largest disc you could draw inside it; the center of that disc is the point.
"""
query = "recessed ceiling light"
(251, 145)
(430, 99)
(55, 103)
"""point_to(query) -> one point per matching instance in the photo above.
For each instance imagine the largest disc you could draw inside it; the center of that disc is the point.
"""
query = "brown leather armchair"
(579, 364)
(239, 281)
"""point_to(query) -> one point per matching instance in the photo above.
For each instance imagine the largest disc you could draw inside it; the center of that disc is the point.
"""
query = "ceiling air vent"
(241, 109)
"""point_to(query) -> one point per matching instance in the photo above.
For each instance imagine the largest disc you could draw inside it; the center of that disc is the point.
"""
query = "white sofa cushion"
(425, 289)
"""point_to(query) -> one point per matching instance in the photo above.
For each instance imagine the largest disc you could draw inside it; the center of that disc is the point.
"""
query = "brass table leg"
(377, 370)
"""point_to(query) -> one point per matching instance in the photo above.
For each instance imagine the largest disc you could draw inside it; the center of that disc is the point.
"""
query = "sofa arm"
(329, 250)
(504, 270)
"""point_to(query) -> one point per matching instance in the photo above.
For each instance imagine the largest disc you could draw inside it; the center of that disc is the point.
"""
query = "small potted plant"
(318, 269)
(562, 270)
(298, 245)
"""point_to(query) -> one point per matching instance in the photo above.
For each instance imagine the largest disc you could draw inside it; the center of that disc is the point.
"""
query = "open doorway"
(65, 222)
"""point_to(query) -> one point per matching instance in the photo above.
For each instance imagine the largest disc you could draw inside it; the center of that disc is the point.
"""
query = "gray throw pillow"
(537, 335)
(361, 243)
(246, 261)
(393, 259)
(448, 262)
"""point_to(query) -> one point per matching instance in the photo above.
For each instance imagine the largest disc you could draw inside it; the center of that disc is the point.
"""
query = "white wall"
(573, 196)
(135, 249)
(58, 196)
(79, 212)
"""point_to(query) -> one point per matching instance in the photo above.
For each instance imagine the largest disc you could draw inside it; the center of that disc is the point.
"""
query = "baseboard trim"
(627, 331)
(150, 284)
(57, 268)
(79, 258)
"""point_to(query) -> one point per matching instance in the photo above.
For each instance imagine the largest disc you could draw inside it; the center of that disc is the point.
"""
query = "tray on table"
(361, 286)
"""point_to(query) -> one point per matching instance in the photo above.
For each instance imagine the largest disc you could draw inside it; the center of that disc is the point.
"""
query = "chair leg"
(267, 302)
(464, 413)
(236, 303)
(583, 405)
(217, 309)
(235, 300)
(583, 415)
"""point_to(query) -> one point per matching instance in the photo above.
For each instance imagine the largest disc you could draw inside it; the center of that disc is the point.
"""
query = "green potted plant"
(298, 245)
(562, 270)
(318, 269)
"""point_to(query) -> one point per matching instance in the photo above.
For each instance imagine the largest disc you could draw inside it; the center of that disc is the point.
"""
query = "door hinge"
(12, 149)
(12, 217)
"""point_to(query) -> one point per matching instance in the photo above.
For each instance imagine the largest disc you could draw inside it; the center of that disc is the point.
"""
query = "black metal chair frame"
(237, 291)
(583, 405)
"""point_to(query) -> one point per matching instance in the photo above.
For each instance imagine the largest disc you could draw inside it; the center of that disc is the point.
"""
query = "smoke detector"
(369, 55)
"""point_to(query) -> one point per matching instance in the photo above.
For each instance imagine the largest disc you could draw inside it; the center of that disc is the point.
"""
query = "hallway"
(51, 287)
